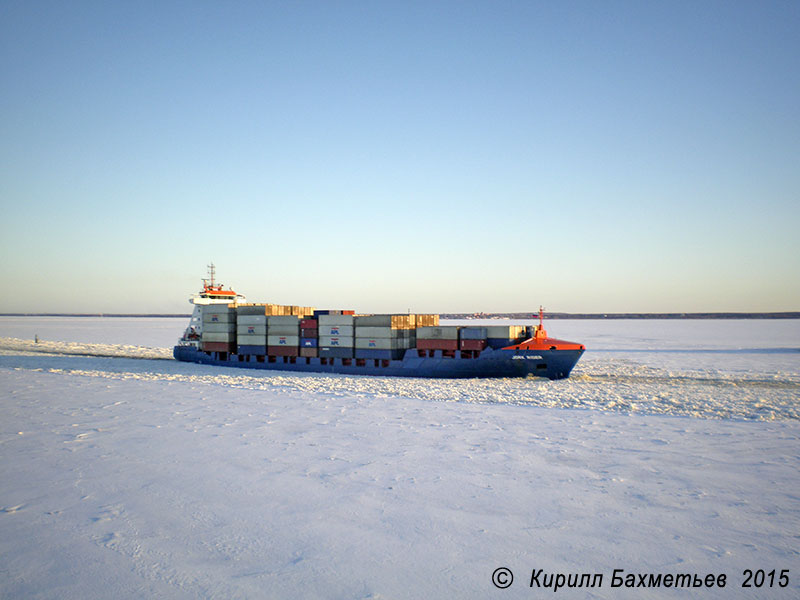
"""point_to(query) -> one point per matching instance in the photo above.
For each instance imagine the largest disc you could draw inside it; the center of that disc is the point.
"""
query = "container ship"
(226, 330)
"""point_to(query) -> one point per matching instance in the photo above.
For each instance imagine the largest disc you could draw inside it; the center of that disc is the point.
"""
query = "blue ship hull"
(552, 364)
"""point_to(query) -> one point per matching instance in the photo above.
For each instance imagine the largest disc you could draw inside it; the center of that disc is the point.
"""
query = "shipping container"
(283, 351)
(308, 342)
(341, 341)
(283, 340)
(505, 331)
(426, 320)
(472, 344)
(276, 310)
(251, 329)
(256, 350)
(448, 332)
(380, 343)
(251, 319)
(284, 329)
(302, 311)
(219, 327)
(345, 330)
(251, 340)
(437, 344)
(246, 310)
(219, 308)
(335, 320)
(387, 332)
(211, 336)
(219, 317)
(309, 352)
(283, 320)
(308, 323)
(393, 321)
(335, 352)
(309, 333)
(473, 333)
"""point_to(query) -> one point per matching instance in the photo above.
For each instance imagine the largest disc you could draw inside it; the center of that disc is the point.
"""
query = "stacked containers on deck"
(384, 336)
(437, 338)
(309, 337)
(426, 320)
(251, 329)
(335, 334)
(283, 335)
(285, 310)
(219, 329)
(473, 338)
(500, 336)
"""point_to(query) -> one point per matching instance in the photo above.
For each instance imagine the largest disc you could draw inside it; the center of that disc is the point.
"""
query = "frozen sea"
(672, 449)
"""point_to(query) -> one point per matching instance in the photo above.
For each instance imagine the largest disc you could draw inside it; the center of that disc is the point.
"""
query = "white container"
(378, 332)
(380, 343)
(251, 320)
(283, 320)
(449, 332)
(219, 317)
(219, 327)
(283, 340)
(210, 336)
(251, 340)
(283, 329)
(251, 330)
(335, 320)
(345, 330)
(251, 310)
(335, 341)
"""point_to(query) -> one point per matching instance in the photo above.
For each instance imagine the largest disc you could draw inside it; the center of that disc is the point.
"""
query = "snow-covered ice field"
(672, 449)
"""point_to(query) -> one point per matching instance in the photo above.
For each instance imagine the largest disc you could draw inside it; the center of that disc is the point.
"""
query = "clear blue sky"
(385, 156)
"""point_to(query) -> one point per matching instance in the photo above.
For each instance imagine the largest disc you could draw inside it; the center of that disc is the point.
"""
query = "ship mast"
(539, 332)
(211, 271)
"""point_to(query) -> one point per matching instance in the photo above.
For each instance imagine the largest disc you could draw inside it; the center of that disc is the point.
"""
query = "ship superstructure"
(213, 293)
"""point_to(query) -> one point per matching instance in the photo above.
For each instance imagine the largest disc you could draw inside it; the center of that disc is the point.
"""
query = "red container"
(473, 344)
(308, 324)
(309, 352)
(348, 312)
(309, 333)
(282, 351)
(437, 344)
(218, 347)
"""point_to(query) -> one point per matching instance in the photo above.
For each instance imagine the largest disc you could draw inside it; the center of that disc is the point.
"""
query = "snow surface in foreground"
(152, 478)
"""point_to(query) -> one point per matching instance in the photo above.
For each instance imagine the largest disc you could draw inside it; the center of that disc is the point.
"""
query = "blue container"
(473, 333)
(255, 350)
(336, 352)
(308, 342)
(371, 353)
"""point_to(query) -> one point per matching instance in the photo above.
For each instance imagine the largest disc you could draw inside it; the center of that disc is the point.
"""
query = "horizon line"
(479, 315)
